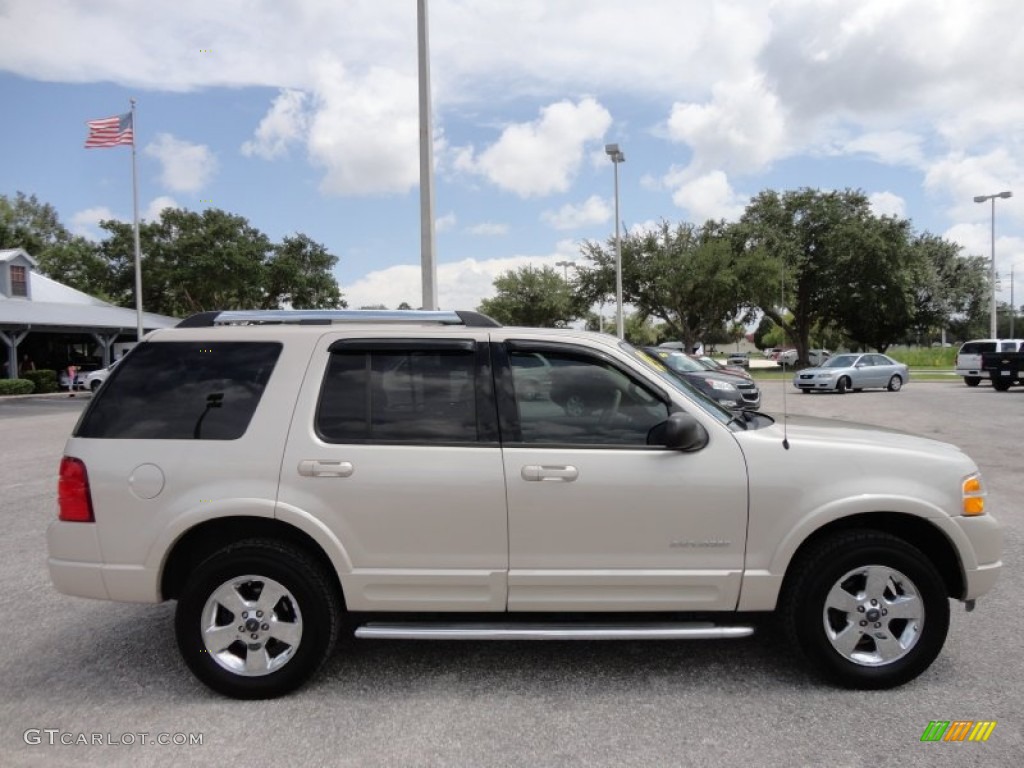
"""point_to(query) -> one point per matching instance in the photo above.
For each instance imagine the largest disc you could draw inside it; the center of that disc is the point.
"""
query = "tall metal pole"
(993, 330)
(620, 328)
(428, 261)
(993, 324)
(135, 228)
(1013, 307)
(613, 151)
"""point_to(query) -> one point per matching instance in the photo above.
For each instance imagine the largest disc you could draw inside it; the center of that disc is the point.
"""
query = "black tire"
(839, 563)
(895, 383)
(972, 381)
(94, 385)
(1000, 386)
(806, 391)
(843, 385)
(310, 607)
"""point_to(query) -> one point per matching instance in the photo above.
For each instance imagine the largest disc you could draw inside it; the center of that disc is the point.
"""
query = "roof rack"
(331, 316)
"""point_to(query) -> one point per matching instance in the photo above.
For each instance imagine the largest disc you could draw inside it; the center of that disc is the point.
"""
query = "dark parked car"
(728, 389)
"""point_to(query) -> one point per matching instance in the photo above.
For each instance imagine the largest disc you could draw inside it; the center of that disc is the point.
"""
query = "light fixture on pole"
(565, 267)
(992, 267)
(617, 157)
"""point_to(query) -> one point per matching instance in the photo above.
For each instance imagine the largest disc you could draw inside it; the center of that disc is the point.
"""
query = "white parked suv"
(278, 472)
(968, 357)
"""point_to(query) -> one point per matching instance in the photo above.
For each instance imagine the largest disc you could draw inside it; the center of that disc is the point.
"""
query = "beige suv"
(277, 473)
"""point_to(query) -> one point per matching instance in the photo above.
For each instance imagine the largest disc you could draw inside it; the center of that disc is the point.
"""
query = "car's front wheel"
(867, 608)
(257, 618)
(843, 385)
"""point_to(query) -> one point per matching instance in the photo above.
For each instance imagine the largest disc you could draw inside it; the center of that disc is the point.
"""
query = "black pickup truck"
(1004, 368)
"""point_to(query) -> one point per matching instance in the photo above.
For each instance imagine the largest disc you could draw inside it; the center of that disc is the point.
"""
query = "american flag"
(110, 131)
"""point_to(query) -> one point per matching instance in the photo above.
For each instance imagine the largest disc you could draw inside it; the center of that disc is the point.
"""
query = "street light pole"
(613, 151)
(993, 330)
(428, 257)
(565, 267)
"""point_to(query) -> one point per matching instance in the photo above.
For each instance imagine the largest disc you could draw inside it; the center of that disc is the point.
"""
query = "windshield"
(657, 365)
(678, 361)
(841, 361)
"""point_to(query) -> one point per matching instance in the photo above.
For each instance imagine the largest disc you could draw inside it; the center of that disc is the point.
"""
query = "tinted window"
(394, 395)
(581, 401)
(977, 347)
(182, 391)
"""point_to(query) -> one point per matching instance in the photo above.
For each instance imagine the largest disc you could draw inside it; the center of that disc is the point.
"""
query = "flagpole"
(135, 227)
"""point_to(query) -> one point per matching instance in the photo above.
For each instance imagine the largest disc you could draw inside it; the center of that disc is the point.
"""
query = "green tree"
(299, 273)
(951, 289)
(875, 276)
(533, 297)
(792, 249)
(27, 223)
(682, 275)
(193, 262)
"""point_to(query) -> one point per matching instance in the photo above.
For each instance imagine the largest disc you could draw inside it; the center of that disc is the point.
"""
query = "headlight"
(973, 496)
(721, 385)
(825, 375)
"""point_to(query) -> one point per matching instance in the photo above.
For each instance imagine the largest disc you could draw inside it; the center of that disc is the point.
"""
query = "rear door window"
(182, 391)
(420, 392)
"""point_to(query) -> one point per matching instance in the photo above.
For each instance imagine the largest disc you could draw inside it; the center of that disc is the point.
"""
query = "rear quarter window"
(977, 347)
(182, 391)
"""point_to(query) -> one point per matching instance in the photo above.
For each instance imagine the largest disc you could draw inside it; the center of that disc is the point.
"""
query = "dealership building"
(46, 324)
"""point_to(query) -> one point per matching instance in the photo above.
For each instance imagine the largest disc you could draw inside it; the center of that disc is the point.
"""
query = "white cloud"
(710, 196)
(976, 240)
(86, 222)
(157, 205)
(961, 177)
(365, 130)
(488, 229)
(743, 127)
(593, 210)
(891, 147)
(887, 204)
(185, 167)
(445, 223)
(285, 123)
(540, 157)
(461, 285)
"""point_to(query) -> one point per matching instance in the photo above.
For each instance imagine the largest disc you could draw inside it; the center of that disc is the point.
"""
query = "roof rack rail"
(330, 316)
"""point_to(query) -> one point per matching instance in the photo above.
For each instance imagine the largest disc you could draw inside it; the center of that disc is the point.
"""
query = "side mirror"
(684, 433)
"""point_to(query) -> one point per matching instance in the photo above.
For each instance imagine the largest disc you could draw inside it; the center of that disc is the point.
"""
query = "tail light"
(73, 494)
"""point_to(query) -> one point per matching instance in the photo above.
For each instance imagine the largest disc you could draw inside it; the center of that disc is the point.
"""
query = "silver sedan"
(854, 371)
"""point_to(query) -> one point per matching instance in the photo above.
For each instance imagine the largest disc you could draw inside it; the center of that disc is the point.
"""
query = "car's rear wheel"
(867, 608)
(895, 383)
(843, 385)
(257, 618)
(972, 381)
(1000, 386)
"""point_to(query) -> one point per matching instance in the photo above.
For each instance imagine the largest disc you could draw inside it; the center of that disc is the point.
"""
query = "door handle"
(325, 468)
(537, 472)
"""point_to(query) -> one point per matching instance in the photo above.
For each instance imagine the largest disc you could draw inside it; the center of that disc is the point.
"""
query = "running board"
(512, 631)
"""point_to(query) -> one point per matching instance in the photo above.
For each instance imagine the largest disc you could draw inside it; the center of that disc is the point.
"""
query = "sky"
(302, 116)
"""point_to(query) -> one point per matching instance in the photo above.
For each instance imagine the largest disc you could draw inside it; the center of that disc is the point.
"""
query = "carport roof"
(58, 307)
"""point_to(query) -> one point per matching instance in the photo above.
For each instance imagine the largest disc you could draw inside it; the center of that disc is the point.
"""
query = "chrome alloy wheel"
(251, 625)
(873, 615)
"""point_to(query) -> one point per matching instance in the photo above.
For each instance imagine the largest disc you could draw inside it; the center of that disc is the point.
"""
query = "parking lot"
(76, 666)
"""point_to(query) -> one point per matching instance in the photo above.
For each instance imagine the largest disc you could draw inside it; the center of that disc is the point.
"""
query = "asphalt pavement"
(74, 669)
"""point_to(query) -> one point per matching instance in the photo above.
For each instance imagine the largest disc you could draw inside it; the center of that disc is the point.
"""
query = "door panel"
(422, 519)
(603, 521)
